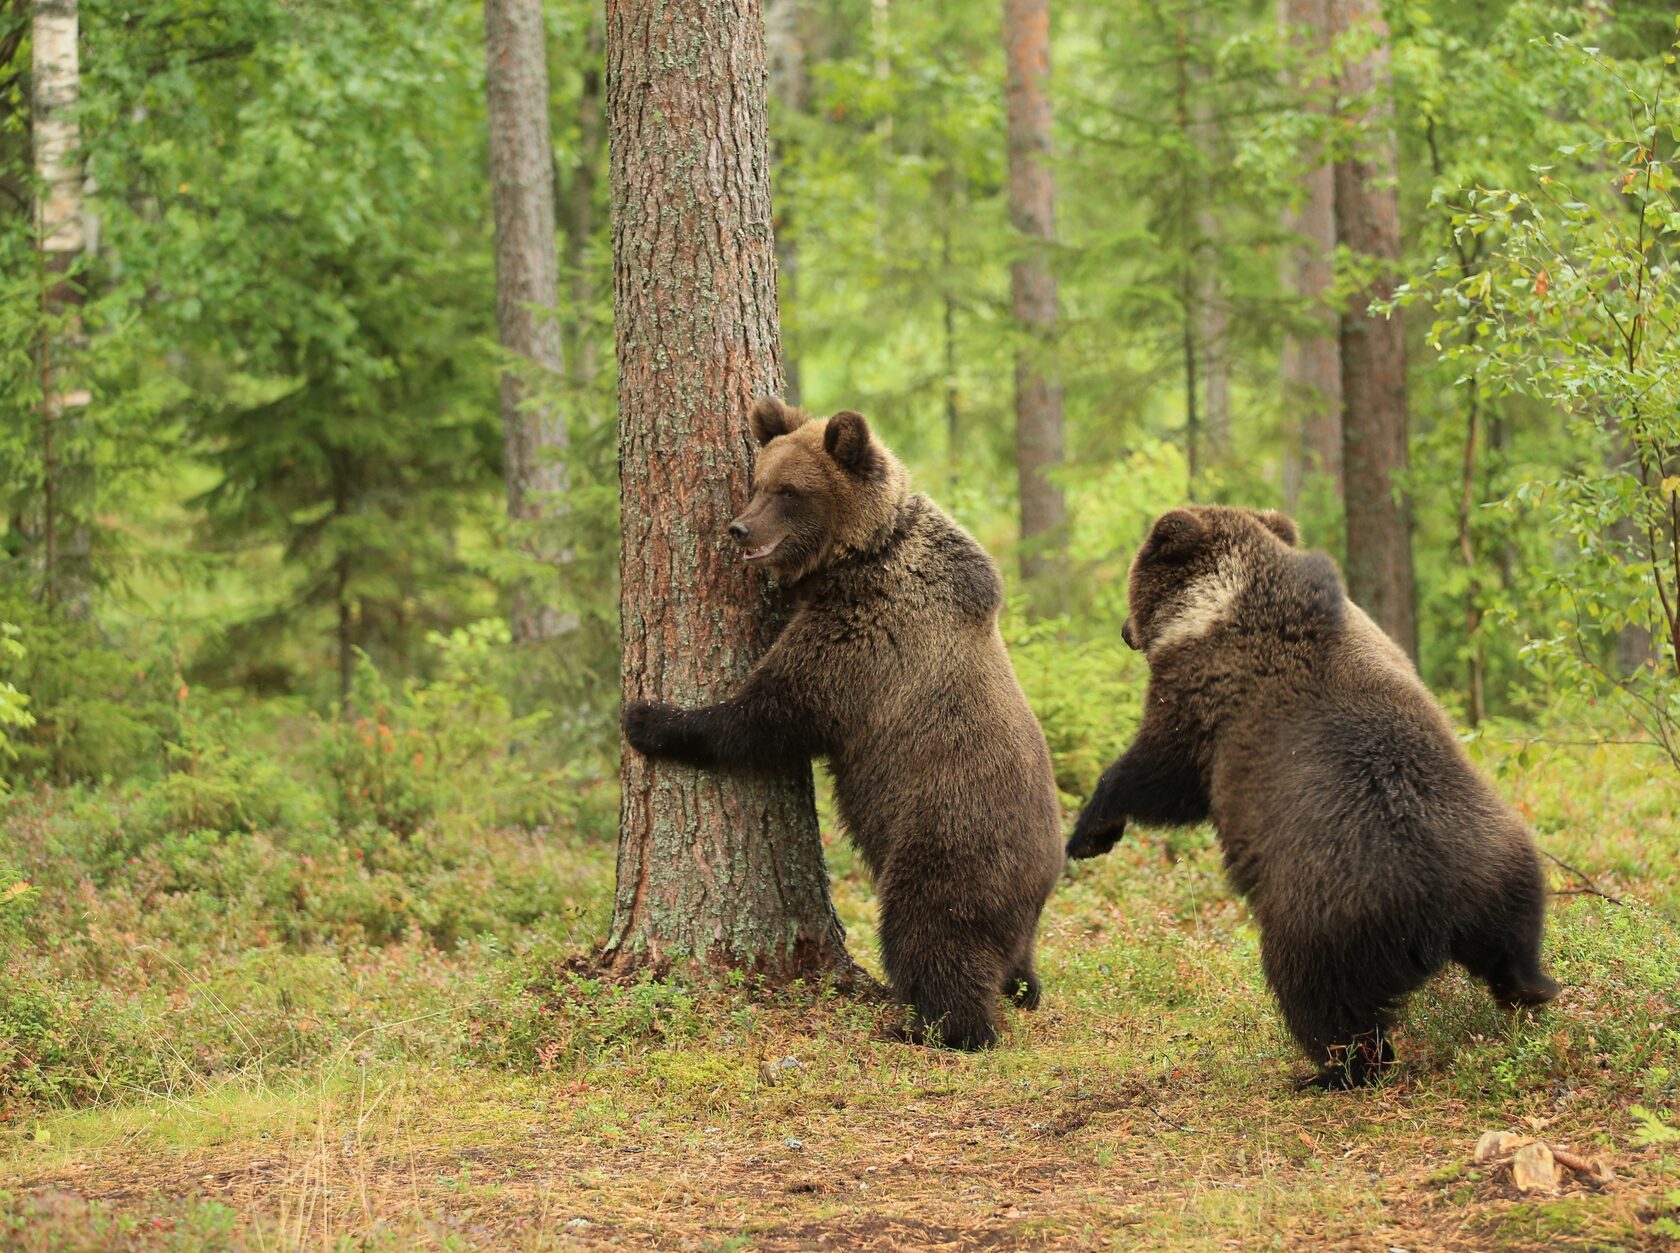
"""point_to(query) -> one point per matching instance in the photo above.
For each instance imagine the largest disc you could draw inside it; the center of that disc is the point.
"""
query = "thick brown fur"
(1369, 848)
(892, 667)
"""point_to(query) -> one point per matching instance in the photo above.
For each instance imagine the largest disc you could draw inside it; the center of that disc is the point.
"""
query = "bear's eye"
(791, 493)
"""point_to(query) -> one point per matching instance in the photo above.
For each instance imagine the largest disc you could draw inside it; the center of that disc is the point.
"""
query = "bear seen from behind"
(1367, 845)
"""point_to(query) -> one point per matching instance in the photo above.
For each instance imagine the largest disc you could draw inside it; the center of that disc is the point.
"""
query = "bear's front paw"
(1094, 835)
(651, 727)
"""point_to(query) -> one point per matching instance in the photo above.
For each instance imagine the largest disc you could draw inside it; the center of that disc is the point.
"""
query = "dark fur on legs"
(949, 1005)
(1338, 993)
(1363, 1060)
(1502, 945)
(1363, 838)
(1024, 989)
(891, 666)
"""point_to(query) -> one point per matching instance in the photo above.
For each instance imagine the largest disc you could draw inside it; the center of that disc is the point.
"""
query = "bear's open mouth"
(754, 554)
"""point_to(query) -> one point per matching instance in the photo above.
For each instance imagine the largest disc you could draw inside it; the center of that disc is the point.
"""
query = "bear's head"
(1197, 561)
(823, 488)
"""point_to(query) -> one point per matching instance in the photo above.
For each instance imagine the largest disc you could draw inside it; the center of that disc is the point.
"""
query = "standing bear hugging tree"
(892, 667)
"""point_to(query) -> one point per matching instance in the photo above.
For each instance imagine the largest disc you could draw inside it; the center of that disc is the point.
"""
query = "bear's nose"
(738, 529)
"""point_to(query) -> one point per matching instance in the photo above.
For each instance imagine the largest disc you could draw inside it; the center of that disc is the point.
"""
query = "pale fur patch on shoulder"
(1206, 602)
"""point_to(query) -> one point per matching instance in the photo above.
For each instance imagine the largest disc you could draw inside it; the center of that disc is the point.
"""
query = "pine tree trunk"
(1212, 316)
(1633, 651)
(1312, 362)
(580, 223)
(67, 479)
(1038, 387)
(527, 288)
(1379, 542)
(790, 88)
(714, 869)
(1212, 330)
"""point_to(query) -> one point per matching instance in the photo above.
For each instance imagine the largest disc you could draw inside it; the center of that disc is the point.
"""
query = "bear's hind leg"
(1339, 1012)
(1022, 985)
(950, 1008)
(951, 981)
(1502, 946)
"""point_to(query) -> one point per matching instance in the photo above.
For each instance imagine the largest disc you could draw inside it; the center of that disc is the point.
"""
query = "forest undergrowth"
(238, 1017)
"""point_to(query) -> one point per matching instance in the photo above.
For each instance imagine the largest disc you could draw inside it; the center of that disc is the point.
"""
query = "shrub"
(1087, 695)
(398, 757)
(95, 710)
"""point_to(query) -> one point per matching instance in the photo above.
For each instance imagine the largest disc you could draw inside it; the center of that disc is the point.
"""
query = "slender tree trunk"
(1192, 371)
(880, 39)
(1212, 329)
(714, 869)
(1032, 197)
(527, 289)
(945, 187)
(1312, 365)
(1475, 666)
(345, 635)
(948, 338)
(1379, 541)
(1475, 678)
(1212, 318)
(580, 212)
(66, 566)
(1498, 450)
(1633, 642)
(790, 89)
(1188, 285)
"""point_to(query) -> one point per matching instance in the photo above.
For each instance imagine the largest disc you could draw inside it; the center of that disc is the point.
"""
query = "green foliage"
(15, 894)
(96, 708)
(218, 781)
(398, 757)
(14, 705)
(559, 1018)
(1574, 305)
(1652, 1129)
(1086, 695)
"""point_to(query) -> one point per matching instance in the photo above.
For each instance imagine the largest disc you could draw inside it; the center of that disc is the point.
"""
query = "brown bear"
(1368, 847)
(892, 667)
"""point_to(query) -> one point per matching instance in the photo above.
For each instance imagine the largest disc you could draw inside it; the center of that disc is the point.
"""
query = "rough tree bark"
(1312, 362)
(714, 869)
(1379, 540)
(66, 558)
(790, 88)
(527, 288)
(1032, 197)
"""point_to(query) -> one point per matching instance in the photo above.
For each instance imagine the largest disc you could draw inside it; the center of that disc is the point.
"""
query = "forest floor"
(1147, 1104)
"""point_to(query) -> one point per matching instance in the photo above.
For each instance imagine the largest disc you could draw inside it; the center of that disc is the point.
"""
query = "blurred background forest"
(271, 447)
(256, 557)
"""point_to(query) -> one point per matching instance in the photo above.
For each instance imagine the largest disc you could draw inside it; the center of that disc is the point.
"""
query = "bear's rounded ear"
(1280, 525)
(848, 441)
(770, 418)
(1175, 535)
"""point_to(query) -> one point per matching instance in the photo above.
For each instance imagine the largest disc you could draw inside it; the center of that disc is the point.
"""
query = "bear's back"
(1355, 789)
(940, 743)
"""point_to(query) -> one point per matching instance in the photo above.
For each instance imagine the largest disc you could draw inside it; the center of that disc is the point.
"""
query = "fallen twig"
(1588, 887)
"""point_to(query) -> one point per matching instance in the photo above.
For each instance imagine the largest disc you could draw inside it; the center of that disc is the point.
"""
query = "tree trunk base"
(818, 971)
